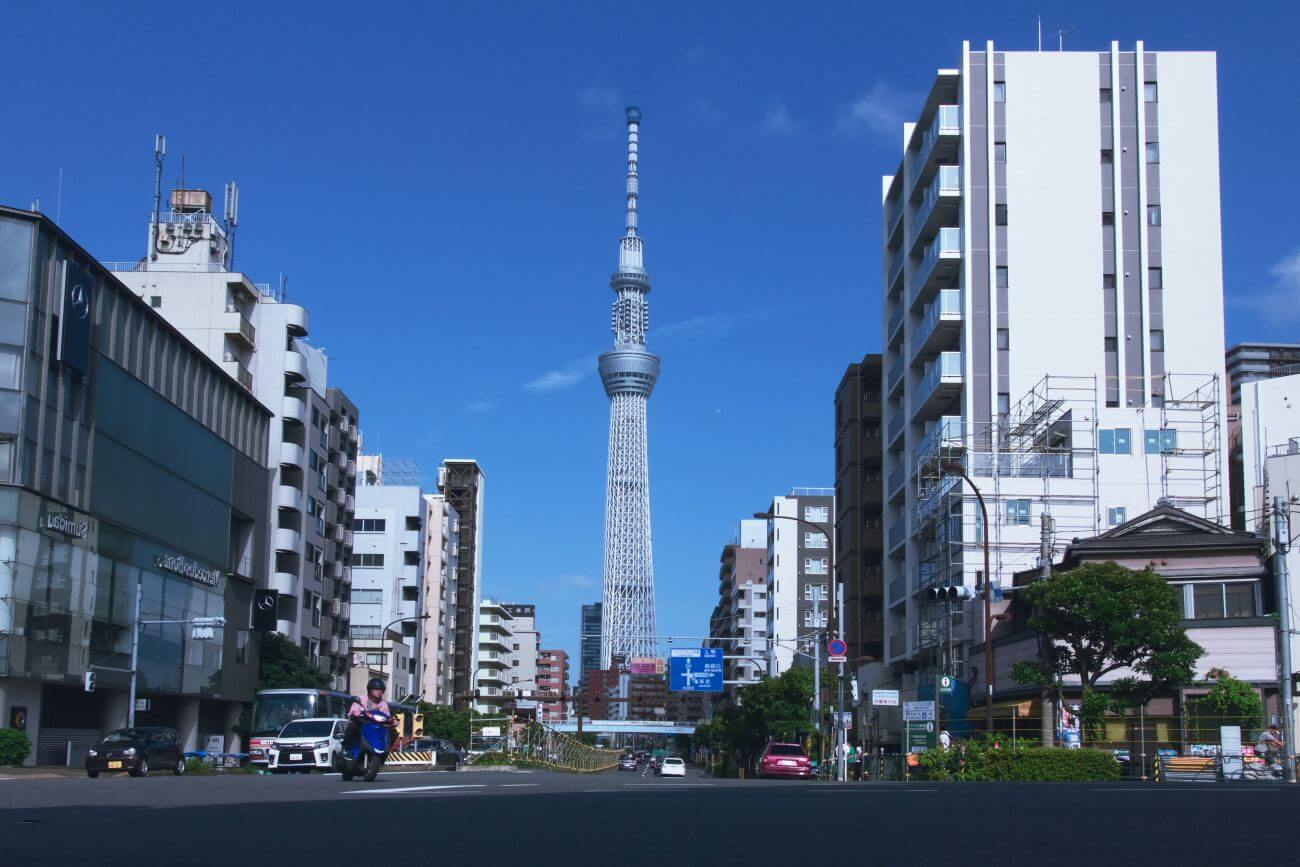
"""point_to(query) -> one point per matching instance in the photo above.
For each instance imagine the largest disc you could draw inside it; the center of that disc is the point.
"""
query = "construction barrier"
(412, 757)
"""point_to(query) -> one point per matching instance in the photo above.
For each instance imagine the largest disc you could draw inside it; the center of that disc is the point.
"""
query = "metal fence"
(528, 742)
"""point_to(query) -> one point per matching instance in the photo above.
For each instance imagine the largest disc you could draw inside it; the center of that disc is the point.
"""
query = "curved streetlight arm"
(953, 468)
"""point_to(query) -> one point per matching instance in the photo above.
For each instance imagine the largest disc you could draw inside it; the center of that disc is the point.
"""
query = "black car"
(447, 755)
(138, 751)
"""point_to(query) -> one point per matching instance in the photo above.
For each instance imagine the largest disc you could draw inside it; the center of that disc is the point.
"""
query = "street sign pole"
(135, 657)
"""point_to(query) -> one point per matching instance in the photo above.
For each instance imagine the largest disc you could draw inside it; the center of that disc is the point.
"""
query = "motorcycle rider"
(372, 703)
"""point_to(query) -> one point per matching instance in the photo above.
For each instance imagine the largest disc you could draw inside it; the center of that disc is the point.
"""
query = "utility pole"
(135, 657)
(1281, 545)
(1047, 725)
(817, 675)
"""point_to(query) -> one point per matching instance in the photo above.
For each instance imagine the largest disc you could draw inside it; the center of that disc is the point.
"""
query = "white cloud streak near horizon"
(880, 111)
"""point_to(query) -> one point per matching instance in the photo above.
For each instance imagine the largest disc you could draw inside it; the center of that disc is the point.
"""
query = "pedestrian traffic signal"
(89, 682)
(949, 593)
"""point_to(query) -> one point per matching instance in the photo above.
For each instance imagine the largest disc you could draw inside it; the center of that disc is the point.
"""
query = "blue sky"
(442, 186)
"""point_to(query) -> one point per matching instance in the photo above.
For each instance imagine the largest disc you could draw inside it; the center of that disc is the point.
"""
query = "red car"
(785, 760)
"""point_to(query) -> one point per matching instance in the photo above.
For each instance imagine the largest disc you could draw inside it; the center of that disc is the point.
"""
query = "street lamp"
(383, 637)
(837, 605)
(954, 468)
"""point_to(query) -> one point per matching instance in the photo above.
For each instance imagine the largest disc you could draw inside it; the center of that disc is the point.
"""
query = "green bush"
(195, 765)
(980, 760)
(14, 747)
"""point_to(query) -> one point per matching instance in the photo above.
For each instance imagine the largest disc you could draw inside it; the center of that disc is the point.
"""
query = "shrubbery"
(982, 759)
(15, 747)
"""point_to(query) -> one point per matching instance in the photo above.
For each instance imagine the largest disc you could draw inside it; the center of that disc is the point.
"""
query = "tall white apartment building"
(798, 575)
(438, 599)
(387, 575)
(260, 338)
(525, 648)
(1053, 309)
(491, 684)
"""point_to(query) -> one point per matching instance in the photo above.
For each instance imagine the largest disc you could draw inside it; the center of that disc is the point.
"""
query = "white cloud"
(563, 377)
(1286, 273)
(712, 324)
(1281, 298)
(779, 121)
(881, 111)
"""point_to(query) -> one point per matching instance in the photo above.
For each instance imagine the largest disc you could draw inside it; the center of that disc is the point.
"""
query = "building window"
(1105, 94)
(1018, 512)
(814, 540)
(1113, 441)
(817, 514)
(1000, 214)
(1107, 157)
(1150, 92)
(1108, 281)
(369, 525)
(1111, 345)
(412, 523)
(367, 597)
(1000, 152)
(368, 561)
(1108, 218)
(1153, 215)
(1003, 277)
(1157, 340)
(816, 565)
(1153, 151)
(1004, 338)
(1160, 442)
(999, 91)
(1116, 515)
(155, 300)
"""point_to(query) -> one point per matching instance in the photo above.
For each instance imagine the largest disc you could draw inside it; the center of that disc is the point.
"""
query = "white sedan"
(672, 767)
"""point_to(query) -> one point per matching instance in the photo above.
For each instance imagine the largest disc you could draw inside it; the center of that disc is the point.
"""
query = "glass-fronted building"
(128, 460)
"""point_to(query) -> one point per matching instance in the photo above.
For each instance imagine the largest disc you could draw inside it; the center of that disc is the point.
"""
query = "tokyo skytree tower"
(628, 372)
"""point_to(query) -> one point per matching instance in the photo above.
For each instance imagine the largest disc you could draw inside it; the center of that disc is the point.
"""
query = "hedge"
(14, 747)
(979, 760)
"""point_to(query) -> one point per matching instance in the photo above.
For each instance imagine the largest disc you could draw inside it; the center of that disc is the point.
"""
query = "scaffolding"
(1045, 449)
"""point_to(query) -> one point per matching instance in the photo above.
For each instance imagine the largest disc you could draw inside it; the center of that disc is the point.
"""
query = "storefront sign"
(187, 568)
(67, 526)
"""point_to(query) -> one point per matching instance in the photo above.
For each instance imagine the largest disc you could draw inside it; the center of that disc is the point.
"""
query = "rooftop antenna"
(159, 151)
(1040, 32)
(58, 201)
(1060, 36)
(231, 213)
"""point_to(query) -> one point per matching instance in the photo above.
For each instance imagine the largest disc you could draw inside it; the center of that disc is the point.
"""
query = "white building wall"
(438, 599)
(783, 583)
(382, 594)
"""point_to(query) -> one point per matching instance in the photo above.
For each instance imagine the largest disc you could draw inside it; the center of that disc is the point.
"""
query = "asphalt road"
(617, 818)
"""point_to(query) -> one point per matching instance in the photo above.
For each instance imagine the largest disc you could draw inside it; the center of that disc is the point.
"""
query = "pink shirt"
(358, 707)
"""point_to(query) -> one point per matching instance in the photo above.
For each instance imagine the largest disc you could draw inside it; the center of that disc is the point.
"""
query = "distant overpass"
(624, 726)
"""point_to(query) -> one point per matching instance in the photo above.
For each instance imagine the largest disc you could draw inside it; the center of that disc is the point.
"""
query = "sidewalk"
(47, 772)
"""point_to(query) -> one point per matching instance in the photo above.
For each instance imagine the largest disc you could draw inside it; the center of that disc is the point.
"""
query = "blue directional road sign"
(695, 669)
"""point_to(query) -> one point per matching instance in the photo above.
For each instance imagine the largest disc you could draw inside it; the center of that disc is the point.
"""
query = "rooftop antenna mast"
(159, 151)
(1040, 33)
(1060, 36)
(231, 213)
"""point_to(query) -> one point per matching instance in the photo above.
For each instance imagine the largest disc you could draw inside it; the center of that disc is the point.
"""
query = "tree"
(774, 708)
(1101, 618)
(1230, 702)
(447, 723)
(284, 665)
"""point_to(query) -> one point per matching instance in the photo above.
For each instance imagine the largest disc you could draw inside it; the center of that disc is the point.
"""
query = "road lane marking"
(519, 785)
(411, 789)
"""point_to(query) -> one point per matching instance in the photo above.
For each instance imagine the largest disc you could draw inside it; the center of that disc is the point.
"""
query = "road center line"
(411, 789)
(519, 785)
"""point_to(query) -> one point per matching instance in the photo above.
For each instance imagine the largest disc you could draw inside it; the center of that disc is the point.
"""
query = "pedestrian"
(1269, 745)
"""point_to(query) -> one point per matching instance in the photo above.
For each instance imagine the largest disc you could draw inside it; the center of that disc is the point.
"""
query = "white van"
(304, 744)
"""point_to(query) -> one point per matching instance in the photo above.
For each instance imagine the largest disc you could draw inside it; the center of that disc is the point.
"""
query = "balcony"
(894, 283)
(938, 206)
(898, 645)
(945, 436)
(897, 424)
(896, 369)
(294, 409)
(287, 540)
(283, 582)
(897, 537)
(939, 265)
(939, 385)
(894, 332)
(291, 455)
(336, 607)
(940, 324)
(1020, 465)
(939, 145)
(288, 497)
(295, 365)
(897, 482)
(296, 320)
(898, 591)
(894, 209)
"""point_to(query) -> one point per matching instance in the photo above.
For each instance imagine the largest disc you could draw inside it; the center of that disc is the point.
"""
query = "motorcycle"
(369, 748)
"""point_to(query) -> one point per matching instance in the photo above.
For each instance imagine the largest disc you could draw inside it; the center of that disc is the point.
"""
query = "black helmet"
(375, 683)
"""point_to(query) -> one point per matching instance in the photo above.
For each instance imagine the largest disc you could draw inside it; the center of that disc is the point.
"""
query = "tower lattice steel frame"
(628, 372)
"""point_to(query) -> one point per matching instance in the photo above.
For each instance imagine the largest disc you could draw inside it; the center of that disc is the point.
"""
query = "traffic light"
(89, 682)
(417, 728)
(949, 593)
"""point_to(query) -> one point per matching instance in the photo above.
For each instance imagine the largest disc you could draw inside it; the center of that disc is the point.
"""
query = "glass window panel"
(1122, 441)
(1106, 441)
(1207, 601)
(1239, 599)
